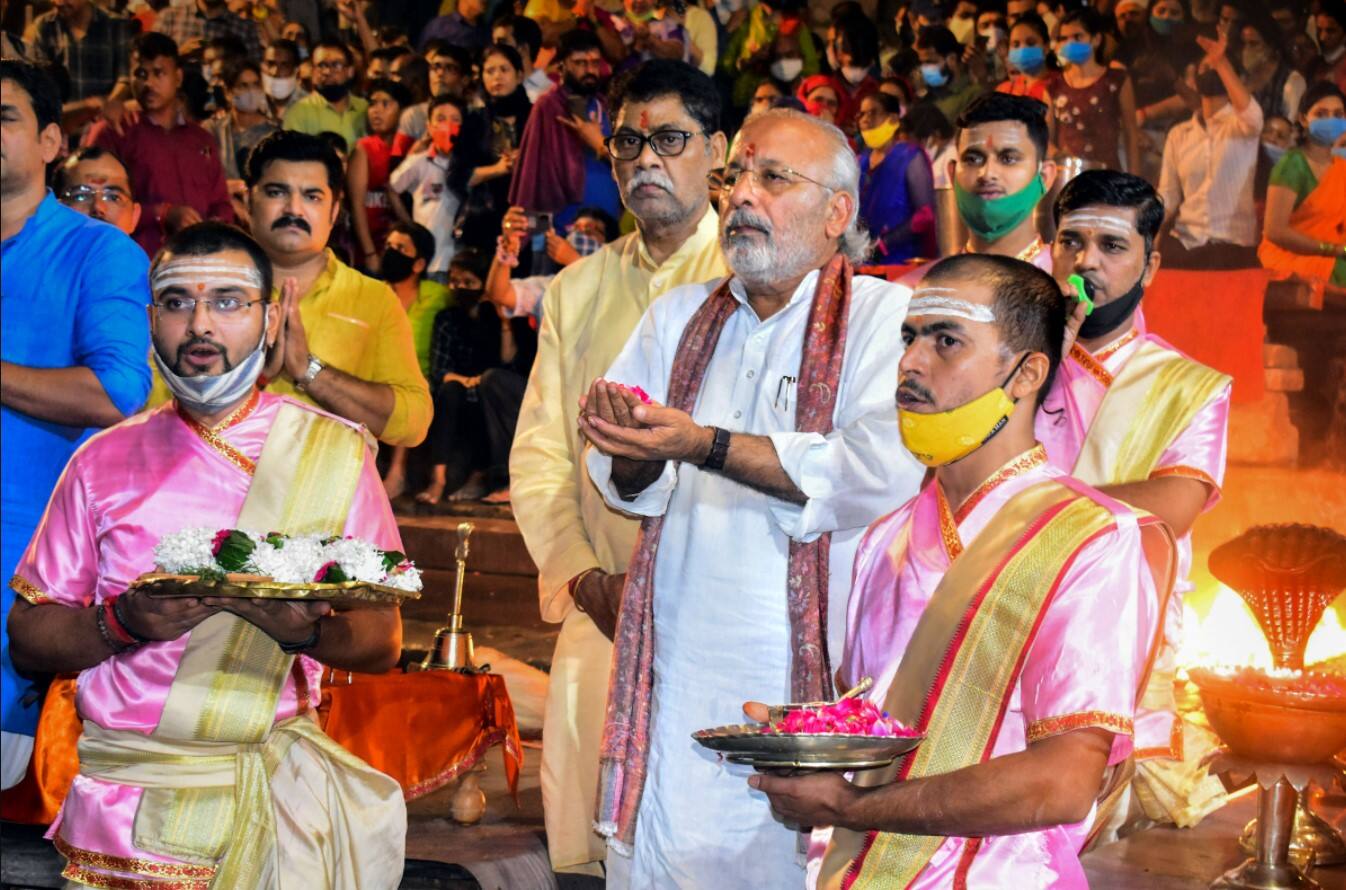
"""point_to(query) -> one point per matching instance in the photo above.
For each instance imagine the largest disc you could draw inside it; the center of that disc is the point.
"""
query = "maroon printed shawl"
(625, 745)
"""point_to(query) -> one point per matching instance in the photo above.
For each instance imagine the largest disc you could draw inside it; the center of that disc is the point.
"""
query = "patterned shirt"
(184, 23)
(95, 62)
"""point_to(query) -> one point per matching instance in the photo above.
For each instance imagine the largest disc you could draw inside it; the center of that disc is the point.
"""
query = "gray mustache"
(745, 217)
(650, 177)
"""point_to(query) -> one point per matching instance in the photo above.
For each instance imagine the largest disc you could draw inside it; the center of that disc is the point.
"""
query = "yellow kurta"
(356, 324)
(588, 313)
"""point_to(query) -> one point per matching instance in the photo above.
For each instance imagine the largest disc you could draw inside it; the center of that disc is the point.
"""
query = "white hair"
(854, 242)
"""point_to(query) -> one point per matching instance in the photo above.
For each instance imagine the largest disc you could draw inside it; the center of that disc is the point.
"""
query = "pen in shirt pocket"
(783, 390)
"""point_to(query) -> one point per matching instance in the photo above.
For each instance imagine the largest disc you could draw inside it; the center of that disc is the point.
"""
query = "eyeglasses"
(627, 145)
(224, 308)
(329, 66)
(83, 195)
(770, 178)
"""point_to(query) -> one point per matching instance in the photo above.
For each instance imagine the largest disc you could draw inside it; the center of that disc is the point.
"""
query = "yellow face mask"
(879, 136)
(944, 437)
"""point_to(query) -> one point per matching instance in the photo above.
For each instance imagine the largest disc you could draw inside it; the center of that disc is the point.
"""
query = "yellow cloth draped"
(1155, 397)
(961, 664)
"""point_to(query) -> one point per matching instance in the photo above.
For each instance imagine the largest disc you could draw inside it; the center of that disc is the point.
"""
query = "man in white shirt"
(1207, 176)
(754, 496)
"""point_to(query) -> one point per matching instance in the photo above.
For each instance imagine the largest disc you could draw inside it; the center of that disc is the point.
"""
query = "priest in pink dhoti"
(201, 764)
(1008, 612)
(1135, 417)
(1000, 174)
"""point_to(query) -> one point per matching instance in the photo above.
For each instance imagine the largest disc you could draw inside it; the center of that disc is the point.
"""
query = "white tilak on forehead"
(204, 274)
(939, 301)
(1107, 222)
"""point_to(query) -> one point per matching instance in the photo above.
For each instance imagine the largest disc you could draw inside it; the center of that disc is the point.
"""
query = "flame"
(1227, 633)
(1328, 640)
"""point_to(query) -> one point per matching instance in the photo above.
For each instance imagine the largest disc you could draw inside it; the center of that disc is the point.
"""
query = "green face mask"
(994, 219)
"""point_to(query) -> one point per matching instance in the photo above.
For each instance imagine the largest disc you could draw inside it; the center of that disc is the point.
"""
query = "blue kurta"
(73, 292)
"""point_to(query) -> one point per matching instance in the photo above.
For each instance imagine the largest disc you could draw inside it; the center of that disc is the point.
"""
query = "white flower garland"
(285, 559)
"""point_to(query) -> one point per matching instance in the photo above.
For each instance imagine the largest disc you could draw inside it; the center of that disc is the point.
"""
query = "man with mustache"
(667, 139)
(768, 444)
(1007, 612)
(174, 164)
(345, 342)
(200, 756)
(1117, 378)
(562, 164)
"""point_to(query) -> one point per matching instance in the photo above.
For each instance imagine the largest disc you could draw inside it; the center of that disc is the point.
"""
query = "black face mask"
(1208, 84)
(334, 92)
(396, 266)
(1108, 318)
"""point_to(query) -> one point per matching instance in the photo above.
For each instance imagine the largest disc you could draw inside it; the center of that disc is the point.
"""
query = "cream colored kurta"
(588, 312)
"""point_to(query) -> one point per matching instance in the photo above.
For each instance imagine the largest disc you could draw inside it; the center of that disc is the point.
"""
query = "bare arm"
(55, 638)
(357, 185)
(1175, 499)
(1280, 205)
(642, 438)
(70, 396)
(1053, 782)
(350, 397)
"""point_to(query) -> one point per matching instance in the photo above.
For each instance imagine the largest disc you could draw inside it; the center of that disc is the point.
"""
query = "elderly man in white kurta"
(768, 444)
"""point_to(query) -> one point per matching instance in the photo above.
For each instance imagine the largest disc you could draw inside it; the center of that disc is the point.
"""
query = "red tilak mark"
(644, 120)
(750, 151)
(200, 286)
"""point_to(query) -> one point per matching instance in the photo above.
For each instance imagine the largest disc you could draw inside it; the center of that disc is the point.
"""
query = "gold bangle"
(575, 583)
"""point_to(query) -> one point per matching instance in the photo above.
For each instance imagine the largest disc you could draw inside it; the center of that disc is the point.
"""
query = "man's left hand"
(285, 621)
(667, 434)
(1073, 321)
(813, 800)
(275, 356)
(296, 340)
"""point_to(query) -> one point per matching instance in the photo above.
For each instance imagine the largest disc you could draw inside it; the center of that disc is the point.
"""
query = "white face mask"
(210, 394)
(853, 74)
(249, 100)
(279, 88)
(787, 69)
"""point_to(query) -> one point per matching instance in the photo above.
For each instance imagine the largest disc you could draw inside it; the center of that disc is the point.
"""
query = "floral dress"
(1088, 119)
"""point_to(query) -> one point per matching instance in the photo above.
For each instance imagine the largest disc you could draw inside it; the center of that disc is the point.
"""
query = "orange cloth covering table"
(1216, 319)
(424, 729)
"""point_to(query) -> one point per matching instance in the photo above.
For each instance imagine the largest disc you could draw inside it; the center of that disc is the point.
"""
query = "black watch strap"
(719, 450)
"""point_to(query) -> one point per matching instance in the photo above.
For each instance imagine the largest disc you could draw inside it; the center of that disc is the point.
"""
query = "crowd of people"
(606, 261)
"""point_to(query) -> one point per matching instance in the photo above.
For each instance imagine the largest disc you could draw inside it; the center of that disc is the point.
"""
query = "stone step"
(1279, 355)
(500, 586)
(1284, 379)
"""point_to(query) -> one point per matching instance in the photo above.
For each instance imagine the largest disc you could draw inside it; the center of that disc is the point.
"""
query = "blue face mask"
(1326, 130)
(1274, 152)
(1164, 27)
(934, 75)
(1076, 52)
(1028, 59)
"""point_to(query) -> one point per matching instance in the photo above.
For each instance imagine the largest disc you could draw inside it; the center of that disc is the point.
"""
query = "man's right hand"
(161, 618)
(121, 114)
(599, 595)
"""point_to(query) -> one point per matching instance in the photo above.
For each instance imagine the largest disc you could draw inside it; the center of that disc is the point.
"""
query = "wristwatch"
(315, 365)
(719, 450)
